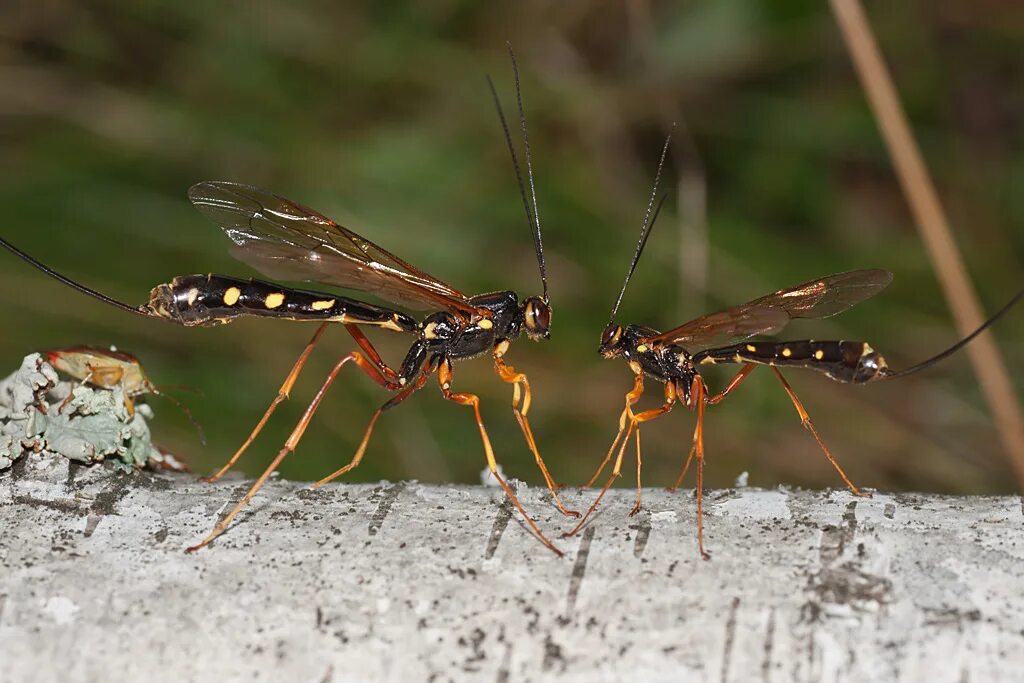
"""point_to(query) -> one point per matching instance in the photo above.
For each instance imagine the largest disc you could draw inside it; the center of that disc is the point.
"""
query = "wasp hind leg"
(805, 420)
(292, 441)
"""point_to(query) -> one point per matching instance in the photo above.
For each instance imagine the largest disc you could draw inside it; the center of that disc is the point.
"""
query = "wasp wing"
(769, 314)
(284, 240)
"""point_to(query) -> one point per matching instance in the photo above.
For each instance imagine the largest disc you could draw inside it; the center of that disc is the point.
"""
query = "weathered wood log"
(410, 582)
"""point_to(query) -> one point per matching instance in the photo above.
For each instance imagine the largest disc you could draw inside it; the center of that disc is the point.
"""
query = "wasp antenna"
(648, 224)
(959, 345)
(183, 408)
(71, 283)
(537, 241)
(518, 171)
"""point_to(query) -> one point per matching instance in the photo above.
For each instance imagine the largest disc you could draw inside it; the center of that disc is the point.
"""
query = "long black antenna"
(74, 285)
(645, 230)
(537, 243)
(534, 225)
(955, 347)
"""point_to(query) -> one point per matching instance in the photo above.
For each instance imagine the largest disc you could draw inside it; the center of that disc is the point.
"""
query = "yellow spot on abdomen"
(322, 305)
(819, 354)
(231, 296)
(193, 294)
(751, 348)
(274, 300)
(786, 353)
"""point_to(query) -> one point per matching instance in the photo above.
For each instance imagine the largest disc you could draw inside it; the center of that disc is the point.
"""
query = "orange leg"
(289, 445)
(631, 399)
(805, 420)
(670, 400)
(282, 394)
(521, 390)
(714, 400)
(358, 457)
(634, 425)
(371, 352)
(372, 368)
(698, 440)
(444, 379)
(639, 486)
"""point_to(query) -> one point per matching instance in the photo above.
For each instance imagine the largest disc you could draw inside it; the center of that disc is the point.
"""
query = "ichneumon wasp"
(285, 240)
(675, 357)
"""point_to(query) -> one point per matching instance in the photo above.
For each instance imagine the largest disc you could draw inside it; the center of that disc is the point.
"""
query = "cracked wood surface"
(409, 582)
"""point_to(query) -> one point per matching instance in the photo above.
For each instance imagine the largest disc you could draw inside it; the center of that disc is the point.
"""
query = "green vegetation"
(378, 115)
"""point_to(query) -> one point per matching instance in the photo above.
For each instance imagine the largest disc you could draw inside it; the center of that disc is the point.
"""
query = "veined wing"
(769, 314)
(284, 240)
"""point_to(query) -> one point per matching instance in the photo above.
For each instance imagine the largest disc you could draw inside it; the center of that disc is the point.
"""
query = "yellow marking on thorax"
(322, 305)
(867, 349)
(231, 296)
(786, 352)
(274, 300)
(819, 354)
(485, 324)
(641, 348)
(428, 331)
(193, 294)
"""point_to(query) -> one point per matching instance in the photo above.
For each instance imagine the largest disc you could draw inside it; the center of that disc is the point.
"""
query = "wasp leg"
(370, 352)
(521, 390)
(714, 400)
(444, 379)
(616, 473)
(700, 396)
(631, 398)
(290, 444)
(358, 457)
(382, 376)
(645, 416)
(805, 420)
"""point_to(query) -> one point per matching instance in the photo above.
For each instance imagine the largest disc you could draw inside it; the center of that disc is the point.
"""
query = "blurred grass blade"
(933, 228)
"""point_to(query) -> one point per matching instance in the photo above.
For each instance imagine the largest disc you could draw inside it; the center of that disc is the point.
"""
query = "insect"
(285, 240)
(676, 357)
(107, 369)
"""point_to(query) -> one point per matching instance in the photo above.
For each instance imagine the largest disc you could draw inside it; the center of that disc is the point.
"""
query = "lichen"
(94, 425)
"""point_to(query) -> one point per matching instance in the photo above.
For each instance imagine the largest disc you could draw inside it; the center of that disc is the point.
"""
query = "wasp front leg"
(444, 379)
(521, 392)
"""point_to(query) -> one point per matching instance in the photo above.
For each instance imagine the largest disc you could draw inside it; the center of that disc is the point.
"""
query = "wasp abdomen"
(202, 300)
(853, 362)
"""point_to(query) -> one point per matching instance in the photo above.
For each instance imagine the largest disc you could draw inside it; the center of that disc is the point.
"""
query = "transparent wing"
(769, 314)
(284, 240)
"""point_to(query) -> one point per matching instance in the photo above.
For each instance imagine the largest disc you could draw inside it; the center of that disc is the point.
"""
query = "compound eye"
(537, 317)
(611, 335)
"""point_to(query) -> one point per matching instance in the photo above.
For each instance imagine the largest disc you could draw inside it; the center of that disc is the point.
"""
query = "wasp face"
(611, 341)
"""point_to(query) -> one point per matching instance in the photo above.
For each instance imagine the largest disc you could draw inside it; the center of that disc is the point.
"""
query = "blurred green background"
(377, 114)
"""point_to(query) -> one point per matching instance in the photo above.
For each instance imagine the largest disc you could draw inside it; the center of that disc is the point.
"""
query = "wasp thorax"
(537, 318)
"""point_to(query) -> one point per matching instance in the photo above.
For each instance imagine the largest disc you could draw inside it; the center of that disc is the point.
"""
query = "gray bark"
(409, 582)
